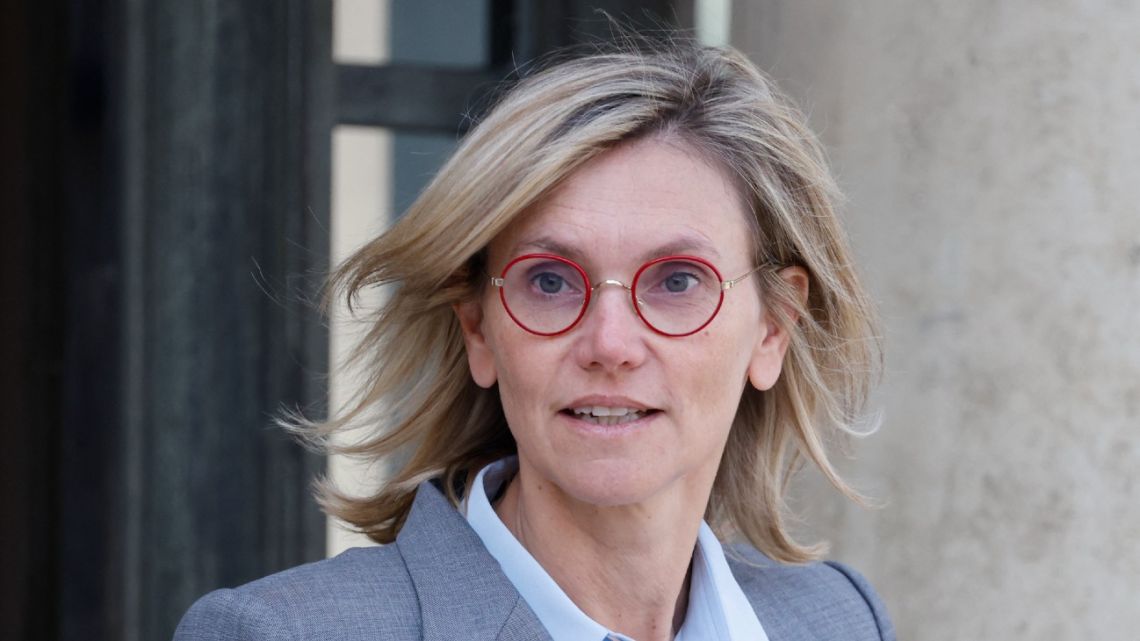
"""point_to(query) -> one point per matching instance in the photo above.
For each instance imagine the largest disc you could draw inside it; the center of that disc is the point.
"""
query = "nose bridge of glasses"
(611, 281)
(615, 283)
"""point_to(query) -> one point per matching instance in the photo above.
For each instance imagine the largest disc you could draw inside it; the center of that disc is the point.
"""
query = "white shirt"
(717, 607)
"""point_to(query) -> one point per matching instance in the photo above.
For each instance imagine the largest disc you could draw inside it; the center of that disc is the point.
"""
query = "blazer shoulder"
(817, 600)
(363, 593)
(870, 598)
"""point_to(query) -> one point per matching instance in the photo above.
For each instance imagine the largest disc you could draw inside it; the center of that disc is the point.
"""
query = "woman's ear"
(480, 357)
(768, 356)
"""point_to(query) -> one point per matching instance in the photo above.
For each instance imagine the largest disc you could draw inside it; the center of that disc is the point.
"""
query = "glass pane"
(432, 32)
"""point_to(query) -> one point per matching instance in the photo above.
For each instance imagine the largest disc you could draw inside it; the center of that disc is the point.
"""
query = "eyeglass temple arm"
(729, 284)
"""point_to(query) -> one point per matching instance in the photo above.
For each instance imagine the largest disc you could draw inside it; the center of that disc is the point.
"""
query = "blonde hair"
(419, 406)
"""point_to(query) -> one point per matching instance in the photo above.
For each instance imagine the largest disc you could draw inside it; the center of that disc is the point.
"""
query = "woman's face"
(637, 202)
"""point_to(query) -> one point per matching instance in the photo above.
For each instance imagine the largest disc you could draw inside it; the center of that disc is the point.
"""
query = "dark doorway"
(166, 192)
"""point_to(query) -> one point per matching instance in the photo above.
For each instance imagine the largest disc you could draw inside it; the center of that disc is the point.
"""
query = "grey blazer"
(437, 581)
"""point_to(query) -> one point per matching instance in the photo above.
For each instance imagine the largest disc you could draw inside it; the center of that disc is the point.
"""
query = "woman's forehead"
(642, 200)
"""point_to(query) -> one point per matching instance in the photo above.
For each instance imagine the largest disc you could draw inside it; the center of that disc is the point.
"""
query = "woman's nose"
(612, 336)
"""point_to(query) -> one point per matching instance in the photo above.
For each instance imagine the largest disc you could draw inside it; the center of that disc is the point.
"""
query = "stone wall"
(991, 155)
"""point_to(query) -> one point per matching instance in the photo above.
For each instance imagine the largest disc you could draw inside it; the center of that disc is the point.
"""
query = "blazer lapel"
(523, 625)
(462, 591)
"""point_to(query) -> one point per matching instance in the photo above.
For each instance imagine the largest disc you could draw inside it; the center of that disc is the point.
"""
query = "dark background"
(165, 195)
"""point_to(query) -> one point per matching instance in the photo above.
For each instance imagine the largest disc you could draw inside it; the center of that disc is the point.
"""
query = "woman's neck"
(626, 567)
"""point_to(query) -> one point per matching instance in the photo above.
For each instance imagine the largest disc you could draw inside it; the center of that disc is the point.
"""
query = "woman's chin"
(611, 483)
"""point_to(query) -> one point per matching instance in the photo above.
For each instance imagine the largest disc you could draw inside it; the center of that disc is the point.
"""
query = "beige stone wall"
(991, 153)
(361, 192)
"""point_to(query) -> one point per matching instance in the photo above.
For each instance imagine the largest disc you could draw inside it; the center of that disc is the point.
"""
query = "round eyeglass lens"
(544, 294)
(677, 296)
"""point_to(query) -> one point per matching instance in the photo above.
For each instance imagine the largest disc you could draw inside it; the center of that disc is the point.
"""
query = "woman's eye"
(679, 282)
(549, 283)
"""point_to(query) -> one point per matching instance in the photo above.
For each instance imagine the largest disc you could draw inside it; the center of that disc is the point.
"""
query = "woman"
(617, 319)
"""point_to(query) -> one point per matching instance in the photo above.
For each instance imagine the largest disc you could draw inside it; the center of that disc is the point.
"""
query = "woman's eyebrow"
(548, 245)
(686, 244)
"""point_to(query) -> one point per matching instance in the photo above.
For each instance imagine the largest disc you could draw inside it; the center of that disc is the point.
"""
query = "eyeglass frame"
(725, 285)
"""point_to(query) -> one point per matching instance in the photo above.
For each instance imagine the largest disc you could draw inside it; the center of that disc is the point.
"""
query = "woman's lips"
(608, 416)
(604, 416)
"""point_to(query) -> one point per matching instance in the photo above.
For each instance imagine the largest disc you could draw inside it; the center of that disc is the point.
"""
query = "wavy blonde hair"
(419, 410)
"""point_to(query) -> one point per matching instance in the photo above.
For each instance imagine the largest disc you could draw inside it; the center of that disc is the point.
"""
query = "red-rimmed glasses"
(547, 294)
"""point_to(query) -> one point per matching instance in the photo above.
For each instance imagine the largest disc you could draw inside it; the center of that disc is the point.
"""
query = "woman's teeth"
(608, 415)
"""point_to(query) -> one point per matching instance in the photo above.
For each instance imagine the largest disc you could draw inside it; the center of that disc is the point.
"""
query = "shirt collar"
(716, 602)
(558, 614)
(717, 607)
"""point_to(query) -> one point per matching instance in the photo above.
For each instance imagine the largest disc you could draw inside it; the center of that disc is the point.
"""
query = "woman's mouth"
(607, 416)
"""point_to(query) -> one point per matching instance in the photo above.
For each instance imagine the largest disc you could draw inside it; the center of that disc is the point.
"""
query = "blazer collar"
(461, 589)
